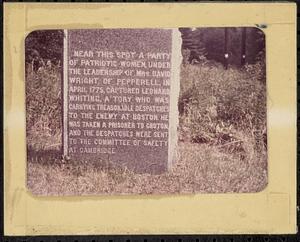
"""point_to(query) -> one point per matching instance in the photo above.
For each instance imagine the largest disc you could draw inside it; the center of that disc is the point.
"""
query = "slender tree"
(226, 54)
(243, 52)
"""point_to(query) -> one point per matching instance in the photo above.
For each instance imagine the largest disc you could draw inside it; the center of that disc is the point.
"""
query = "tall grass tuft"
(43, 107)
(223, 107)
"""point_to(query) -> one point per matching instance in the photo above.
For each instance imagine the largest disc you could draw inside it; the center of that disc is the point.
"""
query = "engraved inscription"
(119, 96)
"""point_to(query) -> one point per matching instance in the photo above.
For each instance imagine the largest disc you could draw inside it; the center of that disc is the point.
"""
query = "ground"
(200, 169)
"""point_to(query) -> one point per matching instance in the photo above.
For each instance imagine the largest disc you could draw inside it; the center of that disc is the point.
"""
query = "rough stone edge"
(65, 95)
(174, 95)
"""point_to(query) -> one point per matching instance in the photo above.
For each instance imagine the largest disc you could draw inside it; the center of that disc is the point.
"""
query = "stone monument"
(120, 93)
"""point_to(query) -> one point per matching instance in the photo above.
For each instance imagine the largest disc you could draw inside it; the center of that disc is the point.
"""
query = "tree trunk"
(243, 52)
(226, 54)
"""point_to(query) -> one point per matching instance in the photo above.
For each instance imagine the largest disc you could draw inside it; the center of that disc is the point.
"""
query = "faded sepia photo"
(146, 111)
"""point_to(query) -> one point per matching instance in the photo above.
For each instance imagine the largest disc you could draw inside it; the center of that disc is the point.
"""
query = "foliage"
(43, 105)
(209, 42)
(220, 106)
(258, 69)
(192, 40)
(45, 43)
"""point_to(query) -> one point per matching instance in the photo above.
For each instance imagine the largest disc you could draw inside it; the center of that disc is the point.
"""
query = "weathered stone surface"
(120, 96)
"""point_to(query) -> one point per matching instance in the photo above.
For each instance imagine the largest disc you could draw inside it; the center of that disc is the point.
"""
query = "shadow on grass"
(54, 157)
(44, 157)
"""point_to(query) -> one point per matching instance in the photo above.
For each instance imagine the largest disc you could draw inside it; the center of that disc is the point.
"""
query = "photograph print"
(146, 111)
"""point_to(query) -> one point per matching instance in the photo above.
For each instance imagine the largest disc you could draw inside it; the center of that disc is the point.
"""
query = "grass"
(222, 139)
(200, 169)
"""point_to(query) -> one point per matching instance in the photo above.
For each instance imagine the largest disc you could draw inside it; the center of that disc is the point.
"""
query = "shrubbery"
(221, 107)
